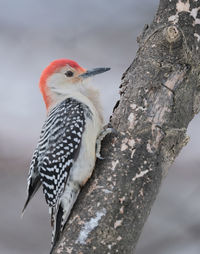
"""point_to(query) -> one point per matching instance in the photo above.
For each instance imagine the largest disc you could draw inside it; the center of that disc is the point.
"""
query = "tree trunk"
(160, 94)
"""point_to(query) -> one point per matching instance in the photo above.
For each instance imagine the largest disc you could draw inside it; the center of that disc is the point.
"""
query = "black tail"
(58, 228)
(63, 214)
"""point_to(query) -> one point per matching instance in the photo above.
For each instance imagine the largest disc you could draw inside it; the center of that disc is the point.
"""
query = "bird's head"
(63, 74)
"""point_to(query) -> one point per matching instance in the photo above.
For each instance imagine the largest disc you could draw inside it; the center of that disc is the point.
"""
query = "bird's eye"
(69, 73)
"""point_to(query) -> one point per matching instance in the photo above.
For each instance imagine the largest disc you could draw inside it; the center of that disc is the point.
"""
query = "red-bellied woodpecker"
(66, 152)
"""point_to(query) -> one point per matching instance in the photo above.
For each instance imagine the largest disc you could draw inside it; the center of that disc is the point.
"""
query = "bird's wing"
(59, 147)
(33, 181)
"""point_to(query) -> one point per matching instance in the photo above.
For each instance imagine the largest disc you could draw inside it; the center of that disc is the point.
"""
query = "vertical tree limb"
(160, 94)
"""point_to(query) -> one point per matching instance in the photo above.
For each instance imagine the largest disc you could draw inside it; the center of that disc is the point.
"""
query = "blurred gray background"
(95, 34)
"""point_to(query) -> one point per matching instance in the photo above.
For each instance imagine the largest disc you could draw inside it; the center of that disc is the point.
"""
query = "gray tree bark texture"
(159, 96)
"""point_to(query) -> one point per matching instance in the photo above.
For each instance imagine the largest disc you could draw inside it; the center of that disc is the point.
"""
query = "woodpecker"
(65, 156)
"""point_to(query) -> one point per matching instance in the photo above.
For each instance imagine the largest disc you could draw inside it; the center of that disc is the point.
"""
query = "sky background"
(95, 34)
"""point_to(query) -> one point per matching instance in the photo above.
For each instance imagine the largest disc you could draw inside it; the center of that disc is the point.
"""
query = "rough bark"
(160, 94)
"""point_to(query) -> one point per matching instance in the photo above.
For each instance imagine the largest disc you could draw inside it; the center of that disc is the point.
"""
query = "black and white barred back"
(58, 147)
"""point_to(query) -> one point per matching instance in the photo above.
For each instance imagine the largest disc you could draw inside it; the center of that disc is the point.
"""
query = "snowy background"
(95, 34)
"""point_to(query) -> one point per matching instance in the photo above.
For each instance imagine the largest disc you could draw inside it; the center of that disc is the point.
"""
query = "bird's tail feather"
(62, 216)
(57, 228)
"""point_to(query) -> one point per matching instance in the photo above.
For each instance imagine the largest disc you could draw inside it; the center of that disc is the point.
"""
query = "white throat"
(83, 92)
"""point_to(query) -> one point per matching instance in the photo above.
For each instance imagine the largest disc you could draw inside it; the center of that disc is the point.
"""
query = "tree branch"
(160, 94)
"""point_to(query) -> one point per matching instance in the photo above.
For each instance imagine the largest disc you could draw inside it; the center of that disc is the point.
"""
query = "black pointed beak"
(93, 72)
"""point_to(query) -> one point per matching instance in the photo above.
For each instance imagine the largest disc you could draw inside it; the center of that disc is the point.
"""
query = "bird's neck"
(86, 94)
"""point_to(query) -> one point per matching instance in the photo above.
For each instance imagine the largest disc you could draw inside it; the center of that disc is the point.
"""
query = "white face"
(63, 78)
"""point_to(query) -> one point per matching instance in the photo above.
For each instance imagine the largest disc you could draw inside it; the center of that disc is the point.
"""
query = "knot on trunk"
(172, 34)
